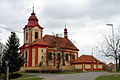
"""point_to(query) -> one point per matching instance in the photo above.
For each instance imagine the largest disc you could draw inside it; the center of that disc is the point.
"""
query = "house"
(87, 62)
(48, 50)
(111, 67)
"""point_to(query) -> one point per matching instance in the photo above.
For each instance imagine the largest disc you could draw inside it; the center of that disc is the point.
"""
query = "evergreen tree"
(12, 54)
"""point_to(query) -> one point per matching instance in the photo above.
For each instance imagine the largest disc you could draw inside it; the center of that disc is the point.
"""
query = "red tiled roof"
(51, 41)
(40, 42)
(87, 59)
(111, 64)
(36, 42)
(32, 21)
(59, 42)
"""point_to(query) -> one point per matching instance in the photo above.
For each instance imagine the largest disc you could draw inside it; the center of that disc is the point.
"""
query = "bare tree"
(111, 48)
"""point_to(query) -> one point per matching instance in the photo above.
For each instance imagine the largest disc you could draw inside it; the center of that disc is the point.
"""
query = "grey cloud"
(13, 13)
(95, 9)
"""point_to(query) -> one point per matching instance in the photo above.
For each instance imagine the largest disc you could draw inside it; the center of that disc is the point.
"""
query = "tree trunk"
(119, 62)
(116, 64)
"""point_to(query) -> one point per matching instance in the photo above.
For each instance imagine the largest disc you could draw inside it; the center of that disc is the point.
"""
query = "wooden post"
(7, 72)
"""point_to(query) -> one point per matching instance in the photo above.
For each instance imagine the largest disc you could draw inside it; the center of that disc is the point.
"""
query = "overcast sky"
(85, 19)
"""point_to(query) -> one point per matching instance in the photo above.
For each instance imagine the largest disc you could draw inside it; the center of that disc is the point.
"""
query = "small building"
(87, 62)
(111, 67)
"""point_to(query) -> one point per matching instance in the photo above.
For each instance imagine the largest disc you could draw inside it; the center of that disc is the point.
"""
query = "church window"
(42, 57)
(26, 35)
(50, 56)
(26, 55)
(58, 56)
(36, 35)
(73, 56)
(41, 63)
(42, 50)
(66, 57)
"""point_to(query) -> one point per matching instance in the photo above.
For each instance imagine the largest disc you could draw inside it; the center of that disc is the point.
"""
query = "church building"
(45, 50)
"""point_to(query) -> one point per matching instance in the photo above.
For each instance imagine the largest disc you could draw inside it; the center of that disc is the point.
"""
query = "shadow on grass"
(15, 75)
(11, 76)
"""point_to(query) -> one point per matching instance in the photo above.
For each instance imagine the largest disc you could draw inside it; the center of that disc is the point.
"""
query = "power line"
(10, 29)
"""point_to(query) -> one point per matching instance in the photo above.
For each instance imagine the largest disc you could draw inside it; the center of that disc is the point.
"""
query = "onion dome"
(33, 17)
(33, 21)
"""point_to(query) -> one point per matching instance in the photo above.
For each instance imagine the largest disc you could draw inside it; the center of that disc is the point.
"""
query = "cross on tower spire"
(33, 8)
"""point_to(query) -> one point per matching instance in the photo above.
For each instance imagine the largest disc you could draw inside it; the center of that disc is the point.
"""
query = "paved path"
(77, 76)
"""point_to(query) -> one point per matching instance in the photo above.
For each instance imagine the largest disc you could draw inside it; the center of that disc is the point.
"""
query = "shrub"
(51, 71)
(33, 71)
(16, 75)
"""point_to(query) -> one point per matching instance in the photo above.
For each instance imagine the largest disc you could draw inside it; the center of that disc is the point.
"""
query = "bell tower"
(32, 30)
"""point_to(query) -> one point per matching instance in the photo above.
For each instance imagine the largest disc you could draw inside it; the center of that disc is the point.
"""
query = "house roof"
(59, 42)
(111, 64)
(52, 41)
(87, 59)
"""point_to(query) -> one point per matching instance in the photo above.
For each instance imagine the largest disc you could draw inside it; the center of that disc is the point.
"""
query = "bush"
(51, 71)
(32, 71)
(16, 75)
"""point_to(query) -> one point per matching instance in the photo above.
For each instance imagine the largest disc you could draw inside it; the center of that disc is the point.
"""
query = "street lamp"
(92, 57)
(112, 33)
(7, 69)
(113, 43)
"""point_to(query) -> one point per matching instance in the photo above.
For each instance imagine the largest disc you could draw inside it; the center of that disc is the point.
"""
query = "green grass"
(23, 76)
(96, 71)
(108, 77)
(18, 76)
(34, 79)
(2, 76)
(68, 72)
(115, 72)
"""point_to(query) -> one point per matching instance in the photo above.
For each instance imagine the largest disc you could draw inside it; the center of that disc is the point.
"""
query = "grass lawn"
(108, 77)
(33, 79)
(18, 76)
(96, 71)
(68, 72)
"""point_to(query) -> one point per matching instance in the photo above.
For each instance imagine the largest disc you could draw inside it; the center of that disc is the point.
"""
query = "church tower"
(32, 30)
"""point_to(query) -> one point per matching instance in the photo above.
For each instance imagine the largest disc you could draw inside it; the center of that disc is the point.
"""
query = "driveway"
(77, 76)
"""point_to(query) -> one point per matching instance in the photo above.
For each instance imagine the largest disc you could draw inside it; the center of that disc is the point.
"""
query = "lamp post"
(92, 57)
(7, 69)
(113, 43)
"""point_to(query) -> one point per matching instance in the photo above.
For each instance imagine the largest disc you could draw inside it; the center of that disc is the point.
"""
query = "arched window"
(73, 57)
(66, 57)
(26, 35)
(36, 35)
(26, 55)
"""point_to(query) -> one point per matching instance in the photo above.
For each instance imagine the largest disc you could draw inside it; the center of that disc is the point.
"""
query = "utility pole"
(92, 57)
(113, 44)
(7, 70)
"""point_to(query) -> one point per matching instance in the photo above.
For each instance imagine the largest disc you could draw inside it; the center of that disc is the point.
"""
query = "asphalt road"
(77, 76)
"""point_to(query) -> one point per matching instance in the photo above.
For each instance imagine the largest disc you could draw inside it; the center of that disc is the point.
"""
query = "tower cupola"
(32, 30)
(32, 21)
(65, 32)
